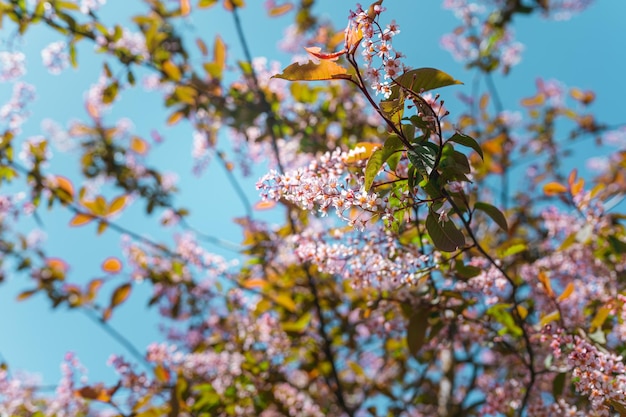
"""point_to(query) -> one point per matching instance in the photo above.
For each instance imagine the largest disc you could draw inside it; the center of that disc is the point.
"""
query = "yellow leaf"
(80, 219)
(553, 188)
(112, 265)
(117, 205)
(600, 318)
(569, 289)
(219, 52)
(537, 100)
(285, 300)
(171, 70)
(369, 150)
(102, 226)
(549, 318)
(522, 311)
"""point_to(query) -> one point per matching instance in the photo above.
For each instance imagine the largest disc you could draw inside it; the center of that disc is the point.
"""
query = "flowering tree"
(394, 283)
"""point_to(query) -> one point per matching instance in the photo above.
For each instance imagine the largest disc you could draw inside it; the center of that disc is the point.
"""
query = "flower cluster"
(55, 57)
(377, 45)
(326, 183)
(596, 373)
(477, 41)
(14, 113)
(11, 66)
(372, 258)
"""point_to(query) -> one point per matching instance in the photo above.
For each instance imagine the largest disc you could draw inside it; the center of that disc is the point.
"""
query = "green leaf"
(416, 330)
(325, 70)
(423, 157)
(558, 384)
(392, 145)
(495, 214)
(424, 79)
(468, 141)
(466, 271)
(501, 313)
(445, 235)
(374, 164)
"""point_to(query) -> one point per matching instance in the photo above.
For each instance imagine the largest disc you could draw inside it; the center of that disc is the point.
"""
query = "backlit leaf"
(600, 318)
(424, 79)
(325, 70)
(219, 52)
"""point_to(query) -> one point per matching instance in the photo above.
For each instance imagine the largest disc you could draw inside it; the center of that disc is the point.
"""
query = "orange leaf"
(280, 10)
(553, 188)
(117, 205)
(65, 185)
(112, 265)
(97, 393)
(120, 294)
(585, 97)
(265, 205)
(577, 187)
(57, 264)
(80, 219)
(93, 287)
(185, 7)
(174, 118)
(545, 280)
(161, 374)
(139, 146)
(572, 177)
(26, 294)
(566, 292)
(202, 47)
(255, 283)
(331, 56)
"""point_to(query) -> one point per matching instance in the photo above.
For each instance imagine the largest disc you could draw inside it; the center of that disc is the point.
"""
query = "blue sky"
(585, 51)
